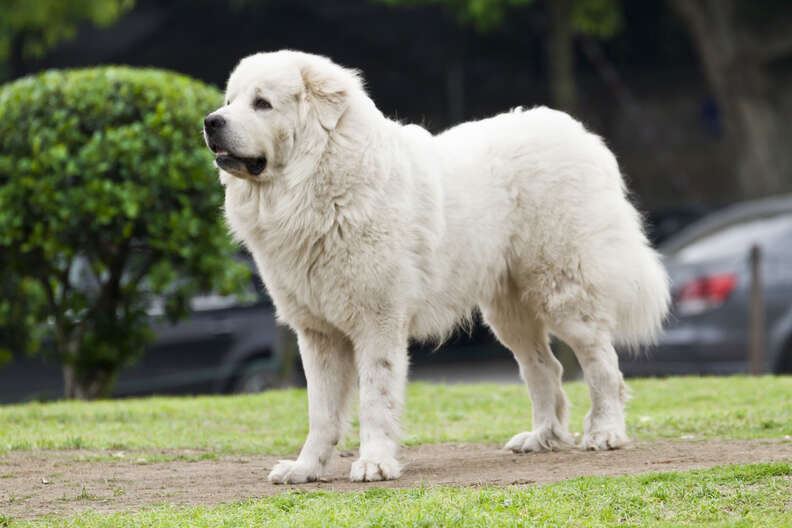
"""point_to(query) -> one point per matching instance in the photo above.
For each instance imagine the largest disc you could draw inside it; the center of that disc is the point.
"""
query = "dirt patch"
(60, 483)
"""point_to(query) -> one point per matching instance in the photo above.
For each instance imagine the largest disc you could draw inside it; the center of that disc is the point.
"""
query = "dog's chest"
(305, 291)
(294, 260)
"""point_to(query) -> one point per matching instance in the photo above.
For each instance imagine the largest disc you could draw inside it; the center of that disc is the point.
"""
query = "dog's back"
(533, 195)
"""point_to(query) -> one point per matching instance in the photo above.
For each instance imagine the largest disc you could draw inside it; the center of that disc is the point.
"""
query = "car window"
(215, 301)
(736, 239)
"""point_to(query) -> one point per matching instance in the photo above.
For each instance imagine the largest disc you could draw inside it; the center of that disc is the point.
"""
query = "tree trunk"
(455, 89)
(764, 160)
(561, 56)
(16, 56)
(86, 385)
(738, 75)
(82, 384)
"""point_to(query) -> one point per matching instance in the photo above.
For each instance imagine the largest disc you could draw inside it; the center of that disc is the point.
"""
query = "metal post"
(756, 346)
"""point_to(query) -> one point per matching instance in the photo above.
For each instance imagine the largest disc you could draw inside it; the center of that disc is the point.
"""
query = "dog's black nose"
(213, 122)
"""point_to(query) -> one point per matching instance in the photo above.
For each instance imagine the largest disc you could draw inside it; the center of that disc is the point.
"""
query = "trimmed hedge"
(108, 197)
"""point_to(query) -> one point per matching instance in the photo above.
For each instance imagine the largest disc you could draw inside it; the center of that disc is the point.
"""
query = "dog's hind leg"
(517, 327)
(603, 426)
(329, 367)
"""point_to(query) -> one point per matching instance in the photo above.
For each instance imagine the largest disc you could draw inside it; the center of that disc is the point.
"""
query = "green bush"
(108, 198)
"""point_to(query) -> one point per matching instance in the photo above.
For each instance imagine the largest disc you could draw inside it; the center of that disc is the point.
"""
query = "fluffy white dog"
(368, 233)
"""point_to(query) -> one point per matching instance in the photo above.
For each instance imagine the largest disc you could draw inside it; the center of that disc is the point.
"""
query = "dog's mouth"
(231, 163)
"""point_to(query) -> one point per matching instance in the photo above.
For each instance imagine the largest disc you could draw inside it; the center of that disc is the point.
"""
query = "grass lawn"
(277, 422)
(752, 495)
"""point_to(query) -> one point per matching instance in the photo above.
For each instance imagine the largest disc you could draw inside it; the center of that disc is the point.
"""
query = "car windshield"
(736, 239)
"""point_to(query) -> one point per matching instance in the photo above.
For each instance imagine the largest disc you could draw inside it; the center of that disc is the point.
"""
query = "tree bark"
(455, 90)
(16, 56)
(561, 56)
(86, 386)
(735, 66)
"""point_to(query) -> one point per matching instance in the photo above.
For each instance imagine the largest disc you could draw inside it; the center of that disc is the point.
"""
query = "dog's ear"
(326, 94)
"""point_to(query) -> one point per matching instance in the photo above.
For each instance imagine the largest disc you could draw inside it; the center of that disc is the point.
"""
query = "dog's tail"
(646, 309)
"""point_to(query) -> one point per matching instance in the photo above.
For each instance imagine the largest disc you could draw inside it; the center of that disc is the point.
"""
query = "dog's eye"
(261, 104)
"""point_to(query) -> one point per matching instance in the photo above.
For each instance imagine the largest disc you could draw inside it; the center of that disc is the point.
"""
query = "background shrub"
(108, 198)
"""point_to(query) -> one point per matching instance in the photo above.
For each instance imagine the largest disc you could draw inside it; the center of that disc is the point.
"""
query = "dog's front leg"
(382, 370)
(330, 373)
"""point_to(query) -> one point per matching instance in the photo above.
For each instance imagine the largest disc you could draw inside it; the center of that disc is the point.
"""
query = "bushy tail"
(642, 318)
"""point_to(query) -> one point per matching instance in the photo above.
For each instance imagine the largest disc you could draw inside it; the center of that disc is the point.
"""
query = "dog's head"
(278, 106)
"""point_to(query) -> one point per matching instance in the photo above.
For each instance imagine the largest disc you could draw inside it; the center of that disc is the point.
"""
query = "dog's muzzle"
(213, 127)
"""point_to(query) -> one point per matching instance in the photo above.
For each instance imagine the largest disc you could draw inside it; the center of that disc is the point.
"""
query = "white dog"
(368, 233)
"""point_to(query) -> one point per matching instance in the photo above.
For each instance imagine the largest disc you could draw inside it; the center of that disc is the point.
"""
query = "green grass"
(753, 495)
(277, 422)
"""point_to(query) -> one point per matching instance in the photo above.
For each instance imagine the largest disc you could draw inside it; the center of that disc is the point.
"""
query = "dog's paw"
(292, 472)
(543, 439)
(373, 470)
(604, 440)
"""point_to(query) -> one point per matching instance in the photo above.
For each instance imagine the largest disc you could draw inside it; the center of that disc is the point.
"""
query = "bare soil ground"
(37, 483)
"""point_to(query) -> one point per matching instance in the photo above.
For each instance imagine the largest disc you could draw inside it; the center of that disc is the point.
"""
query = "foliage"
(20, 302)
(108, 203)
(598, 18)
(36, 26)
(276, 422)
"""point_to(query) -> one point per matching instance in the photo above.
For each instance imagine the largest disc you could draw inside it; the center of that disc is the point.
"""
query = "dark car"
(709, 266)
(227, 344)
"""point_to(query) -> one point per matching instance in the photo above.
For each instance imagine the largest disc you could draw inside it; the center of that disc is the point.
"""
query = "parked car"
(227, 344)
(709, 265)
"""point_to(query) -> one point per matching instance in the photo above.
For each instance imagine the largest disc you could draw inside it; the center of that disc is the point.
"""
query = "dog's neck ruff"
(310, 198)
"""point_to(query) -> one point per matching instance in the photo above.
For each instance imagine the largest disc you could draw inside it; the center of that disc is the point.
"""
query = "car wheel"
(255, 376)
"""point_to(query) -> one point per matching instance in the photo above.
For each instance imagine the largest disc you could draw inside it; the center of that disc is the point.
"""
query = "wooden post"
(756, 346)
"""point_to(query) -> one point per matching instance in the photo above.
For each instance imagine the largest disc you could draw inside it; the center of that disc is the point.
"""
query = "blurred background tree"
(30, 28)
(738, 44)
(109, 207)
(566, 21)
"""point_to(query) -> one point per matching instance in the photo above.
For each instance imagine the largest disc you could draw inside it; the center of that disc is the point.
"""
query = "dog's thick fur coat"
(368, 233)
